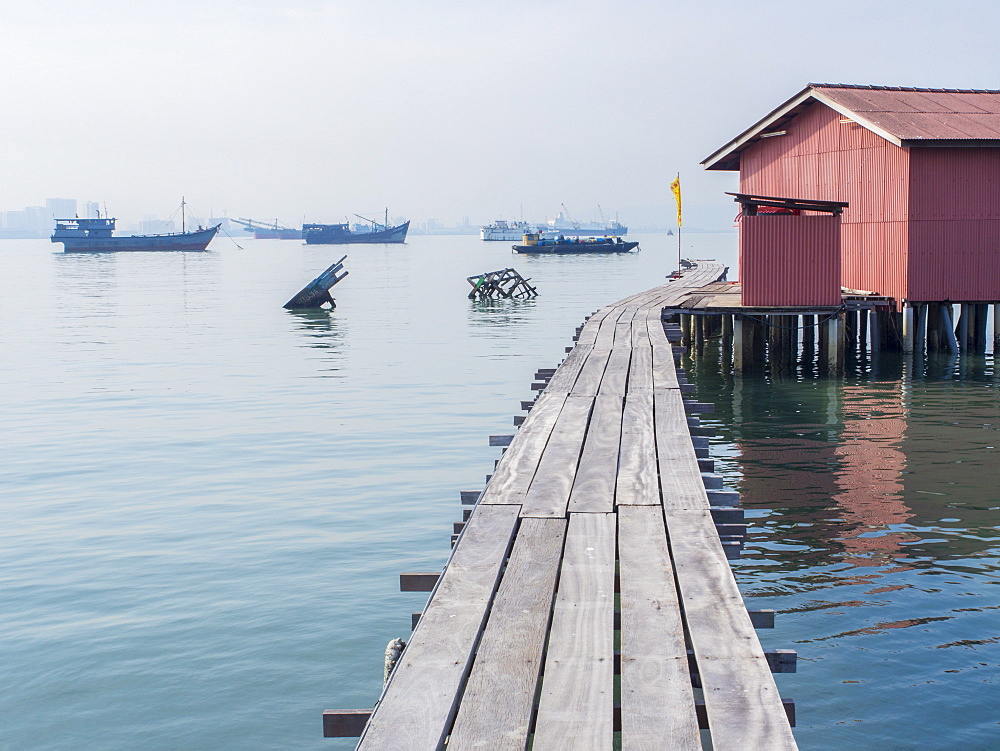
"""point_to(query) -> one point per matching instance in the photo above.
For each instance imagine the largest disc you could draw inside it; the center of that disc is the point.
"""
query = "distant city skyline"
(314, 109)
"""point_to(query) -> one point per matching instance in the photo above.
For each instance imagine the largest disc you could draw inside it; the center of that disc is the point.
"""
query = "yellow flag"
(675, 188)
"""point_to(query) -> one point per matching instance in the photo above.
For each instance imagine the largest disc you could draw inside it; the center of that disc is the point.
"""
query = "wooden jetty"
(588, 600)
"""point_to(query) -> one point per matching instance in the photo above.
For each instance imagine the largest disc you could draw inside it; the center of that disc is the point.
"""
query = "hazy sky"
(320, 108)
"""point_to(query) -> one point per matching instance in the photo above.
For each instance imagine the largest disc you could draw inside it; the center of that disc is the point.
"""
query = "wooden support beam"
(501, 440)
(345, 723)
(350, 723)
(727, 514)
(418, 581)
(470, 497)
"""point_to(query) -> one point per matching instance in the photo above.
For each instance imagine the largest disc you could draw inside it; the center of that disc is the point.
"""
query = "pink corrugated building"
(920, 171)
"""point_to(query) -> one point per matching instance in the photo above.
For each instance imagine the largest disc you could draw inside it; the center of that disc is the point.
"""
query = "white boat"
(506, 231)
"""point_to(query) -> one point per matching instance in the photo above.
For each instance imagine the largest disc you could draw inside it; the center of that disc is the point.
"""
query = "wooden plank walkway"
(595, 531)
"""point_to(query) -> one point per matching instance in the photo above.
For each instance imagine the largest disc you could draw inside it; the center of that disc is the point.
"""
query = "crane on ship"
(574, 225)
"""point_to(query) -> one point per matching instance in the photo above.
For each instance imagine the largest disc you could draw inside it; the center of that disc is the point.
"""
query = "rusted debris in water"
(317, 292)
(504, 283)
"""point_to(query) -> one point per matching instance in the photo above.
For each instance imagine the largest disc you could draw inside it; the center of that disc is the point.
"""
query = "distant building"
(60, 208)
(91, 210)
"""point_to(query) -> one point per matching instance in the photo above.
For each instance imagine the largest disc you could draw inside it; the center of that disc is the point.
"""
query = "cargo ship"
(563, 225)
(97, 236)
(343, 234)
(537, 244)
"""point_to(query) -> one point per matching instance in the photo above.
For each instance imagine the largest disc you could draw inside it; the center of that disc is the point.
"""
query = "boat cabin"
(103, 227)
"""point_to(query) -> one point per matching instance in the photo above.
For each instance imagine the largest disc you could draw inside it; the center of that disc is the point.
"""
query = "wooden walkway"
(589, 591)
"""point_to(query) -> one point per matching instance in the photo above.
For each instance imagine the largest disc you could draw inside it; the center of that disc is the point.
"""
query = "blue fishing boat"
(342, 234)
(96, 235)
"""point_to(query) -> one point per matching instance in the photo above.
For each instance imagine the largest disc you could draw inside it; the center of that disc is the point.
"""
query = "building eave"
(718, 159)
(819, 96)
(727, 158)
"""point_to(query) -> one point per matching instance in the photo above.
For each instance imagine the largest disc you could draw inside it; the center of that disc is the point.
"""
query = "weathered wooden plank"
(588, 383)
(513, 474)
(640, 374)
(566, 374)
(550, 488)
(616, 373)
(681, 482)
(594, 485)
(655, 680)
(497, 706)
(576, 703)
(664, 370)
(419, 701)
(638, 477)
(741, 699)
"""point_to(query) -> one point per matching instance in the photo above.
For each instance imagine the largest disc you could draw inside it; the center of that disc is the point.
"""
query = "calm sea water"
(207, 500)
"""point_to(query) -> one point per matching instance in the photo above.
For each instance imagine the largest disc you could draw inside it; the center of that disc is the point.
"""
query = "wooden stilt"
(919, 327)
(933, 327)
(996, 328)
(948, 329)
(979, 332)
(962, 329)
(908, 337)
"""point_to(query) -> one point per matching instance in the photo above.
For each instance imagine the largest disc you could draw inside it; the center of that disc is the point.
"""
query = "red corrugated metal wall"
(826, 159)
(954, 231)
(790, 260)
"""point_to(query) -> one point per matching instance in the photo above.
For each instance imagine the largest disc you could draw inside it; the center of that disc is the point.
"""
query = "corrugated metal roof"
(904, 116)
(922, 114)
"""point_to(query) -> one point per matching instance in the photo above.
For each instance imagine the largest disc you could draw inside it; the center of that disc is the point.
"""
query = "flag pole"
(678, 223)
(675, 188)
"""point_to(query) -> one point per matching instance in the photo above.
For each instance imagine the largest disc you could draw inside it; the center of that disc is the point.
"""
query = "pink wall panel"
(790, 260)
(826, 159)
(954, 235)
(874, 257)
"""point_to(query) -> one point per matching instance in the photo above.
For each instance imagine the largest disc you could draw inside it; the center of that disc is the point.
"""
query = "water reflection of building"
(870, 472)
(827, 456)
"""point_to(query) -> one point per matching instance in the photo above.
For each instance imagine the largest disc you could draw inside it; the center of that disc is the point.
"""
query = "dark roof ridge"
(900, 88)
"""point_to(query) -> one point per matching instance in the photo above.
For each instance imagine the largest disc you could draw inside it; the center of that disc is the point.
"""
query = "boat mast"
(183, 220)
